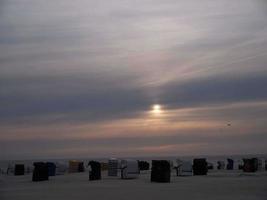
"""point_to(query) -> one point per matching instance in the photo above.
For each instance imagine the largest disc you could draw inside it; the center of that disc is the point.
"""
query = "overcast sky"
(80, 78)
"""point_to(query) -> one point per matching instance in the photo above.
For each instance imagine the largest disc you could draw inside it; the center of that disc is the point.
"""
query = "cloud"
(93, 100)
(168, 145)
(188, 130)
(97, 67)
(217, 89)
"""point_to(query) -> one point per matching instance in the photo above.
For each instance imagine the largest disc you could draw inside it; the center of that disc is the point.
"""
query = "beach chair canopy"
(160, 171)
(19, 169)
(61, 168)
(250, 164)
(178, 167)
(113, 166)
(187, 168)
(210, 166)
(230, 164)
(51, 168)
(200, 166)
(81, 167)
(75, 166)
(220, 165)
(40, 172)
(95, 170)
(183, 168)
(260, 164)
(129, 169)
(104, 166)
(143, 165)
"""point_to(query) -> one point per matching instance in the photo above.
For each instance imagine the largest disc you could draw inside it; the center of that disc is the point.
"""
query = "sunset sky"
(101, 78)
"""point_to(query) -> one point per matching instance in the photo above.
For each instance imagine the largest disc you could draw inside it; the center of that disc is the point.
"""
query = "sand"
(217, 185)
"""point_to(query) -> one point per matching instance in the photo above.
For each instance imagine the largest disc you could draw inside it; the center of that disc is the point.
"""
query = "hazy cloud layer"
(76, 67)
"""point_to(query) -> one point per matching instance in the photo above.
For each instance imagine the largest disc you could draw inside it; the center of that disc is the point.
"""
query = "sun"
(156, 109)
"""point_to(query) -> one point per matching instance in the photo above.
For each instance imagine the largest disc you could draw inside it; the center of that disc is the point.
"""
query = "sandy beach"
(216, 185)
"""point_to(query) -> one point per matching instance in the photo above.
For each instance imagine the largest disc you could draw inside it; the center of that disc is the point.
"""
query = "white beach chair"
(184, 168)
(187, 169)
(129, 169)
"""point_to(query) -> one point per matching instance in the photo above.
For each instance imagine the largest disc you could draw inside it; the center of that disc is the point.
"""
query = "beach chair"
(10, 169)
(186, 169)
(178, 167)
(210, 166)
(250, 165)
(230, 164)
(160, 171)
(113, 166)
(183, 168)
(75, 166)
(94, 170)
(260, 164)
(200, 166)
(143, 165)
(61, 168)
(104, 166)
(239, 164)
(80, 167)
(28, 169)
(40, 172)
(129, 169)
(51, 168)
(220, 165)
(19, 170)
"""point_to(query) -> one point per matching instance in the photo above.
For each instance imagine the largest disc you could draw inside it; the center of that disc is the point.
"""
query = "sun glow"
(156, 109)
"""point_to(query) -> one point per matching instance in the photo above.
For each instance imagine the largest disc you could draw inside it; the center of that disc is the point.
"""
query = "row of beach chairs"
(129, 169)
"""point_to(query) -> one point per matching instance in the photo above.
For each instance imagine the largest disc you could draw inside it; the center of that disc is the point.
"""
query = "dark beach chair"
(95, 170)
(40, 172)
(250, 165)
(161, 171)
(200, 166)
(230, 164)
(143, 165)
(19, 170)
(51, 169)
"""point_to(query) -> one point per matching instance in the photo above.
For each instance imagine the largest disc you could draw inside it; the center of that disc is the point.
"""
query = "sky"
(82, 78)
